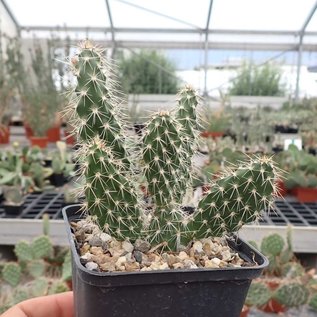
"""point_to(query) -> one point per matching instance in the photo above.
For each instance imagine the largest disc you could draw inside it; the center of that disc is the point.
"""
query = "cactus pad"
(23, 251)
(292, 294)
(272, 244)
(258, 295)
(41, 247)
(11, 273)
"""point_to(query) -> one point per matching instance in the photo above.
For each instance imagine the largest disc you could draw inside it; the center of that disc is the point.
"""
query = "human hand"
(58, 305)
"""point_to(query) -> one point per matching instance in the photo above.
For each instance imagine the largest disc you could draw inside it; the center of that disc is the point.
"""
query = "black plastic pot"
(12, 210)
(166, 293)
(58, 180)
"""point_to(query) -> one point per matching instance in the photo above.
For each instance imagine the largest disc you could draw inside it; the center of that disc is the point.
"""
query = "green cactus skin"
(236, 198)
(23, 251)
(41, 247)
(292, 270)
(96, 106)
(258, 295)
(38, 287)
(57, 287)
(36, 268)
(11, 273)
(67, 267)
(313, 302)
(20, 295)
(109, 194)
(272, 245)
(163, 158)
(186, 115)
(292, 294)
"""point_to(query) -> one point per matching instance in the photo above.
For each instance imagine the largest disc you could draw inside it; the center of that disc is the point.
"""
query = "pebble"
(138, 256)
(95, 241)
(96, 251)
(108, 266)
(226, 255)
(127, 246)
(142, 245)
(92, 266)
(80, 235)
(105, 237)
(197, 247)
(130, 267)
(120, 263)
(183, 255)
(189, 264)
(100, 252)
(164, 266)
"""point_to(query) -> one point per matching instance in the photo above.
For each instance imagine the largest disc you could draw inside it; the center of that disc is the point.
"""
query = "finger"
(59, 305)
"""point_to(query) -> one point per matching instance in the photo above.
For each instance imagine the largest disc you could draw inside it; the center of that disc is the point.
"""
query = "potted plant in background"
(62, 165)
(301, 179)
(5, 96)
(156, 261)
(13, 200)
(215, 122)
(285, 283)
(42, 101)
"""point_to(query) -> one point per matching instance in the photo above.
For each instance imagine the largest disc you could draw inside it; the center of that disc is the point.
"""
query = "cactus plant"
(11, 273)
(292, 294)
(258, 295)
(272, 244)
(41, 247)
(237, 197)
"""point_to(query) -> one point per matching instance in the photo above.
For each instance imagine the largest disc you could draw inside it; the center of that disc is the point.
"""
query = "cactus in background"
(313, 302)
(23, 251)
(292, 270)
(272, 245)
(36, 268)
(13, 195)
(41, 247)
(292, 294)
(11, 273)
(258, 295)
(237, 197)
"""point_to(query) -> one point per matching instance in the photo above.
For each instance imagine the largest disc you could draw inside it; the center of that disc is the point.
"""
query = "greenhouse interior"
(158, 158)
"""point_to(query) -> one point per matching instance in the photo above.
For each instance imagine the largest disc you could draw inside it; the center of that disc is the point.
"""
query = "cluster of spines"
(109, 193)
(236, 198)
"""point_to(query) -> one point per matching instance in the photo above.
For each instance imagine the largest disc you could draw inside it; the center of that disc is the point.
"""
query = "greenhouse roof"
(231, 24)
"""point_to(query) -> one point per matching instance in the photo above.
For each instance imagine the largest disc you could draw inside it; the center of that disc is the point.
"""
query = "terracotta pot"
(4, 135)
(54, 134)
(211, 134)
(272, 306)
(281, 187)
(306, 195)
(28, 130)
(39, 141)
(245, 311)
(69, 138)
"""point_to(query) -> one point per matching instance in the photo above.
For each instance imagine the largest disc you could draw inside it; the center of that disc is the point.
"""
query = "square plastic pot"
(186, 293)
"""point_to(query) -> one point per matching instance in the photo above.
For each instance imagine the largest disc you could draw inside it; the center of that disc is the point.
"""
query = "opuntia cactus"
(258, 295)
(41, 247)
(313, 302)
(292, 294)
(272, 245)
(168, 144)
(11, 273)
